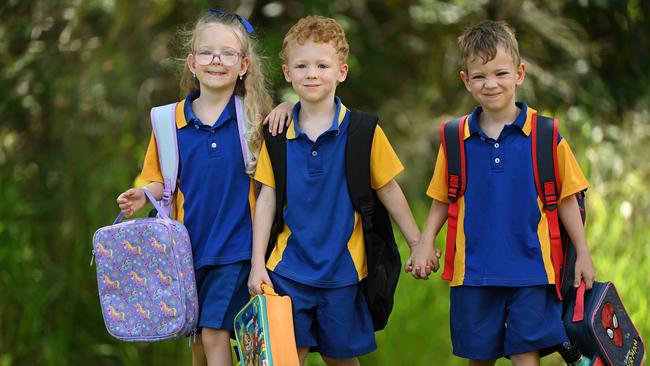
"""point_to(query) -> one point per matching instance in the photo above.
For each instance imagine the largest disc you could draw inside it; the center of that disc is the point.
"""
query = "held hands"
(131, 201)
(258, 276)
(424, 259)
(585, 270)
(279, 117)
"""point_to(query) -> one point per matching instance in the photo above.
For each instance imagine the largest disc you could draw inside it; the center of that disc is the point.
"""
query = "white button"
(314, 153)
(214, 145)
(496, 145)
(497, 160)
(196, 126)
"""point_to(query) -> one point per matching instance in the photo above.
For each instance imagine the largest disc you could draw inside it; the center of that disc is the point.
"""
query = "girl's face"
(217, 60)
(314, 70)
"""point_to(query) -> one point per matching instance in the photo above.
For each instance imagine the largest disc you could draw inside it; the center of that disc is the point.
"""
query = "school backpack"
(383, 258)
(596, 320)
(544, 136)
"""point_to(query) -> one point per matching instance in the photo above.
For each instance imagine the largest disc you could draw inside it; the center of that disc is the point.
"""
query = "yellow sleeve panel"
(384, 163)
(571, 176)
(264, 170)
(151, 167)
(438, 185)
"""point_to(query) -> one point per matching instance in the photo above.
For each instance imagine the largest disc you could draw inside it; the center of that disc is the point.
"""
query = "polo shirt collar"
(187, 116)
(522, 121)
(293, 131)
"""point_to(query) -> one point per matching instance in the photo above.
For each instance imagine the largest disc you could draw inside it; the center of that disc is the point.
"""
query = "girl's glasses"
(226, 58)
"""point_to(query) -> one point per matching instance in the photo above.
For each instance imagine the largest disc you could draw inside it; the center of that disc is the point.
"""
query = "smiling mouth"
(217, 73)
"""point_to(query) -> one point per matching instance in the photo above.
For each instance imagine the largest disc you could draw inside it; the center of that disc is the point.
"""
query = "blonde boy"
(319, 257)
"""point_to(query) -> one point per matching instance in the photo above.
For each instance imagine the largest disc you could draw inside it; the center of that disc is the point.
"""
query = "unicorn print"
(110, 283)
(102, 251)
(167, 310)
(143, 313)
(160, 248)
(132, 249)
(142, 281)
(115, 314)
(162, 278)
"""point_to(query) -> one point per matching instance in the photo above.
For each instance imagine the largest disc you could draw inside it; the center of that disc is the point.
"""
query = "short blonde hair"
(318, 29)
(482, 40)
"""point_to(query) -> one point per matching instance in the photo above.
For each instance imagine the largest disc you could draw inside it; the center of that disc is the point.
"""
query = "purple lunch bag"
(145, 278)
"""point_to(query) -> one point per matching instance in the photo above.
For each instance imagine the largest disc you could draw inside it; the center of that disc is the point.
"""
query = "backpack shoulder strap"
(277, 149)
(357, 164)
(545, 137)
(163, 121)
(452, 135)
(243, 127)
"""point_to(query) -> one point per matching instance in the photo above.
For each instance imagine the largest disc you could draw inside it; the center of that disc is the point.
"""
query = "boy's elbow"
(388, 187)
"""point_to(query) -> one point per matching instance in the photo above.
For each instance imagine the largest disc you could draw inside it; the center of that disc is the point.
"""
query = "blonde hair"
(483, 39)
(253, 88)
(318, 29)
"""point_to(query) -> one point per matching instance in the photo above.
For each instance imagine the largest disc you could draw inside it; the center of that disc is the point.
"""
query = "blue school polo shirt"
(212, 199)
(502, 235)
(322, 243)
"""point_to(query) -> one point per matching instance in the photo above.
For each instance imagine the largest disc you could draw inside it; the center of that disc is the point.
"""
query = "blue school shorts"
(490, 322)
(335, 322)
(222, 292)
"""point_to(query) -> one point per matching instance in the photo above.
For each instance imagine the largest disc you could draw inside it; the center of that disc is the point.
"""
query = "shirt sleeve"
(264, 170)
(438, 185)
(151, 166)
(571, 176)
(384, 163)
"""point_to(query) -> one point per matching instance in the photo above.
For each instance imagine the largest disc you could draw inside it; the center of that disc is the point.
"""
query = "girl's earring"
(194, 76)
(241, 77)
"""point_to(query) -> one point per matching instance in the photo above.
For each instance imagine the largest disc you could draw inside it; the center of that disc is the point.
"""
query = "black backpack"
(383, 258)
(544, 151)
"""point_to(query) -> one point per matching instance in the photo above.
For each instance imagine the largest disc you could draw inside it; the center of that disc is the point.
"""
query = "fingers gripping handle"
(155, 204)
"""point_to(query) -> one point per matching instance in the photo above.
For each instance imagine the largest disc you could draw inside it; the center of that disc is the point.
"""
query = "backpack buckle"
(550, 196)
(367, 210)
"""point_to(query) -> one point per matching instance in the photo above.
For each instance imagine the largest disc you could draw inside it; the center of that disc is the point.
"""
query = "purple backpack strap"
(163, 120)
(243, 127)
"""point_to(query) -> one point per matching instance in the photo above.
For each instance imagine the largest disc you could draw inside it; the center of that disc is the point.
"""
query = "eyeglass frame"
(218, 56)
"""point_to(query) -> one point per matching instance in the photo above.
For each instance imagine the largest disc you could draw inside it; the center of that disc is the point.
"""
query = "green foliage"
(78, 78)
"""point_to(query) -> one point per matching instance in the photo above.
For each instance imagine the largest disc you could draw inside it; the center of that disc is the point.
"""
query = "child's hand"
(585, 270)
(424, 259)
(258, 276)
(279, 118)
(131, 201)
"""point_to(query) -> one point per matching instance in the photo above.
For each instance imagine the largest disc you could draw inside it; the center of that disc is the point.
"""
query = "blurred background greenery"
(78, 78)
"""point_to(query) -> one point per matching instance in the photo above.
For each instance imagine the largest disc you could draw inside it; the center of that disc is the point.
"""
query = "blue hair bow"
(242, 20)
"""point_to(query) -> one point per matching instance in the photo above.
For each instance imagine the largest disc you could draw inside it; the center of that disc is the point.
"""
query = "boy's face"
(493, 84)
(314, 70)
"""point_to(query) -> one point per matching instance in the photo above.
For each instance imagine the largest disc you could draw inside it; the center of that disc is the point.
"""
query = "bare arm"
(569, 213)
(134, 199)
(435, 220)
(264, 214)
(392, 197)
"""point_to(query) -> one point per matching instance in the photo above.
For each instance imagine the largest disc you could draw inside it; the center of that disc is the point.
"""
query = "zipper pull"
(92, 258)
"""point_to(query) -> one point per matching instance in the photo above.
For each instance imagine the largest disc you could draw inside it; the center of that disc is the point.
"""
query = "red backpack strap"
(452, 134)
(547, 181)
